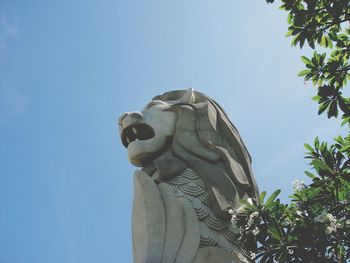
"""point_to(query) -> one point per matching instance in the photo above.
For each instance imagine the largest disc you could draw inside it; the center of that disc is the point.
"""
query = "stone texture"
(175, 225)
(195, 167)
(213, 255)
(148, 220)
(190, 242)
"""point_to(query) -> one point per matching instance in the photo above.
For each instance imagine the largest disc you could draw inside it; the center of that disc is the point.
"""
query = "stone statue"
(195, 168)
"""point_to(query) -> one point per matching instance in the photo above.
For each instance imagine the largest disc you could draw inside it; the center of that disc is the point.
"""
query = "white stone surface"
(195, 169)
(175, 225)
(148, 220)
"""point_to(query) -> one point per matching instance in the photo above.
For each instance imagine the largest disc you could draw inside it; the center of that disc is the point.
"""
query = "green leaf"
(295, 39)
(289, 33)
(345, 120)
(321, 166)
(308, 147)
(330, 43)
(323, 106)
(304, 72)
(311, 175)
(317, 143)
(273, 229)
(345, 148)
(333, 109)
(312, 192)
(323, 41)
(343, 104)
(316, 98)
(312, 44)
(306, 60)
(262, 197)
(247, 204)
(273, 197)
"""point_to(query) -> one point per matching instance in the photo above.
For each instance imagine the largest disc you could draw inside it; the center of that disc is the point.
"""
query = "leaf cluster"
(315, 225)
(323, 23)
(330, 77)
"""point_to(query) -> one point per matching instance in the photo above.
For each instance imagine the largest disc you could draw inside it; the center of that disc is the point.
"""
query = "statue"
(195, 168)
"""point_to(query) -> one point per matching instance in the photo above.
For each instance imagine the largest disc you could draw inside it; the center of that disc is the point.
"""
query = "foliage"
(323, 23)
(315, 225)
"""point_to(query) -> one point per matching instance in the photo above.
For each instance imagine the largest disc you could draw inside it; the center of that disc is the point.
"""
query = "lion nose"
(128, 118)
(135, 115)
(122, 117)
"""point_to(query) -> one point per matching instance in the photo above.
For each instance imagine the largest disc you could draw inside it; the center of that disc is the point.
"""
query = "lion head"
(195, 129)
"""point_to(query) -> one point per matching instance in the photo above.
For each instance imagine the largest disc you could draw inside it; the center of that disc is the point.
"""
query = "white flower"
(250, 201)
(298, 185)
(250, 223)
(241, 209)
(254, 215)
(330, 229)
(321, 218)
(256, 231)
(329, 220)
(325, 217)
(292, 224)
(301, 213)
(234, 220)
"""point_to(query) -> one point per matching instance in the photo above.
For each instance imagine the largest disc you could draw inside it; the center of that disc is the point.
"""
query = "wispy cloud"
(8, 28)
(294, 150)
(60, 185)
(288, 164)
(12, 103)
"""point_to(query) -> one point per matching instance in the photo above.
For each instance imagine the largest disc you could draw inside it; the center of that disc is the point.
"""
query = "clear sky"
(69, 68)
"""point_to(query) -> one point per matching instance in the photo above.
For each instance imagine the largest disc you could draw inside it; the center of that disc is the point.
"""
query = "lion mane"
(207, 141)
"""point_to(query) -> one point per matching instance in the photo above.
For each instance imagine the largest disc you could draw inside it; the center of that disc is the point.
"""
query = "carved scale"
(180, 215)
(215, 232)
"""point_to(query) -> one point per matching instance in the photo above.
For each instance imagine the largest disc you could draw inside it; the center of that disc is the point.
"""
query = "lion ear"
(208, 117)
(212, 115)
(188, 97)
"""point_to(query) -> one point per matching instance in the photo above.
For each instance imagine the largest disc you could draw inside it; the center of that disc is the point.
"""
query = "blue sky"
(68, 69)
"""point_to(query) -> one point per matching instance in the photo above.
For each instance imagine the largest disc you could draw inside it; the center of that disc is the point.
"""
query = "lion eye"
(149, 105)
(153, 103)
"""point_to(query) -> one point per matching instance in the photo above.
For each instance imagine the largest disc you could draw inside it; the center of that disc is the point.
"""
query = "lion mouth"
(135, 132)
